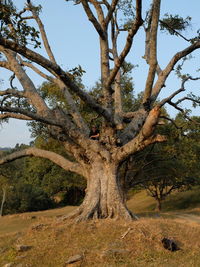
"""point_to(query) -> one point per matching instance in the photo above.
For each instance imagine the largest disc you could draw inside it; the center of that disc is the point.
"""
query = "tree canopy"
(123, 131)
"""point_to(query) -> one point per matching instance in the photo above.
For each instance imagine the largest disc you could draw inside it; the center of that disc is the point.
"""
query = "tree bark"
(159, 205)
(2, 202)
(103, 195)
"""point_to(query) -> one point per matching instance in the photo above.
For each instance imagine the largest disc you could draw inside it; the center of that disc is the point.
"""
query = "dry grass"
(101, 243)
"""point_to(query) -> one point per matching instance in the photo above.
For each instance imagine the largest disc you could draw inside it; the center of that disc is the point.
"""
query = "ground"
(102, 243)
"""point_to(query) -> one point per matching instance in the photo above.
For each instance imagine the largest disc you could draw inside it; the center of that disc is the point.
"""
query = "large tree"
(121, 133)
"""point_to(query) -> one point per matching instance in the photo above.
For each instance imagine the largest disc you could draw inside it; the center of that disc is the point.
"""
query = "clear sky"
(74, 42)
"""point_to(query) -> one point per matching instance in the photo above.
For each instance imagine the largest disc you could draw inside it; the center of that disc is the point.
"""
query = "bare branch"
(73, 110)
(29, 89)
(167, 99)
(172, 121)
(152, 51)
(61, 74)
(12, 92)
(135, 26)
(72, 106)
(183, 112)
(137, 144)
(186, 98)
(30, 114)
(35, 69)
(5, 64)
(111, 10)
(14, 116)
(93, 20)
(52, 156)
(164, 74)
(43, 33)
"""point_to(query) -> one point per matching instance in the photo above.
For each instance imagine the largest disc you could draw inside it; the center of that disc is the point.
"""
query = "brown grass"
(101, 243)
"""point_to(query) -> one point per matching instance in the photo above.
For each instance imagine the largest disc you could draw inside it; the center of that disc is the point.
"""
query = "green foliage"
(38, 184)
(14, 27)
(26, 197)
(174, 23)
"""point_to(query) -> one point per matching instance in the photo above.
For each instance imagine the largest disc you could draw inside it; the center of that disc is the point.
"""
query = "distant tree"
(122, 132)
(174, 165)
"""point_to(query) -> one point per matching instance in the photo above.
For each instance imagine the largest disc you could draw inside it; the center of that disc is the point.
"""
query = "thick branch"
(72, 106)
(135, 26)
(14, 116)
(36, 70)
(93, 20)
(137, 144)
(152, 51)
(73, 110)
(52, 156)
(5, 65)
(164, 74)
(31, 115)
(62, 75)
(111, 10)
(29, 89)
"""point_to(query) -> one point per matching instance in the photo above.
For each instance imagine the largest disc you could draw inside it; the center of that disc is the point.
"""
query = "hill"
(5, 148)
(51, 241)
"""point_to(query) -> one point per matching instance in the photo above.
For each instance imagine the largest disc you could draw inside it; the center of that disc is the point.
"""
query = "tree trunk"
(159, 205)
(103, 195)
(2, 202)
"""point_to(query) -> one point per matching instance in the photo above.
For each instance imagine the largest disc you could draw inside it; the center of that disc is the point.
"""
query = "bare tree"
(121, 134)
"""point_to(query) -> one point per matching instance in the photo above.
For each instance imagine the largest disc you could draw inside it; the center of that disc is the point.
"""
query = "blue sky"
(74, 42)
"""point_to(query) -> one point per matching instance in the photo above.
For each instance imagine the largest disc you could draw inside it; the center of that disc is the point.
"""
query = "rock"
(22, 248)
(9, 264)
(169, 244)
(74, 259)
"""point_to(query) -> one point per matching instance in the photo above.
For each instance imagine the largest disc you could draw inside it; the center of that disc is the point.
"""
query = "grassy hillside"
(179, 201)
(103, 243)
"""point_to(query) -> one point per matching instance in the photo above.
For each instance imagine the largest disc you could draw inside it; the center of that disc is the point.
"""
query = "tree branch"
(111, 10)
(164, 74)
(152, 51)
(62, 75)
(43, 33)
(12, 92)
(29, 89)
(72, 106)
(93, 20)
(14, 116)
(5, 64)
(137, 144)
(52, 156)
(135, 26)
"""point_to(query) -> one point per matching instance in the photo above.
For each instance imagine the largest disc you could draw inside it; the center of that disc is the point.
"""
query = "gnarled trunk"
(103, 195)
